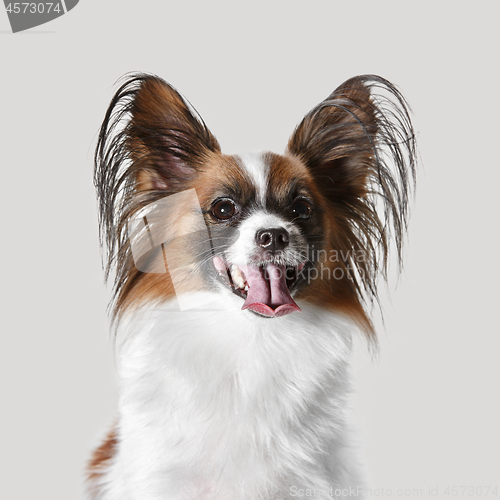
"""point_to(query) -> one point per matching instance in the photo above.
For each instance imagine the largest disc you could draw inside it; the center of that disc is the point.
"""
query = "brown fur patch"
(100, 461)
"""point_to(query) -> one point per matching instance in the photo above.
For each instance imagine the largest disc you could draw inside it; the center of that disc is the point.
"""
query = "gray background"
(428, 406)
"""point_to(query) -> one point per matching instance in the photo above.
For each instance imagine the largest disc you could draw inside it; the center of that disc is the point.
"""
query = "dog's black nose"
(273, 239)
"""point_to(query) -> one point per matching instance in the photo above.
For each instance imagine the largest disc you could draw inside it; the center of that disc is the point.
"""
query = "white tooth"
(236, 276)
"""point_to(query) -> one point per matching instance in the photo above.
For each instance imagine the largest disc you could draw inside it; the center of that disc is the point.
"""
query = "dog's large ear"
(151, 144)
(359, 145)
(337, 140)
(164, 138)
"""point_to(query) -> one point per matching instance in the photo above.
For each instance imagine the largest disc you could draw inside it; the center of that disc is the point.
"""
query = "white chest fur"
(227, 405)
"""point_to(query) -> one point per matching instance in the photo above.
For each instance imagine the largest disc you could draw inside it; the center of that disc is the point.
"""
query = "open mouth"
(264, 287)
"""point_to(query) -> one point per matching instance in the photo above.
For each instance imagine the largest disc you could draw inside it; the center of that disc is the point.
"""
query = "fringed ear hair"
(151, 144)
(359, 144)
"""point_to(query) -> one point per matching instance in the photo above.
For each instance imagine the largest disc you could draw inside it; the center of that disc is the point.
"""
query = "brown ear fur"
(336, 139)
(165, 139)
(360, 148)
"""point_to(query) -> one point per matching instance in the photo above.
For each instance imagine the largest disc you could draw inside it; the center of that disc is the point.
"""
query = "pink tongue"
(268, 293)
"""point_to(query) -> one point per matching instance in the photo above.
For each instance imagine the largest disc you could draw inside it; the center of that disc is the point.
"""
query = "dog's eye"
(223, 209)
(301, 208)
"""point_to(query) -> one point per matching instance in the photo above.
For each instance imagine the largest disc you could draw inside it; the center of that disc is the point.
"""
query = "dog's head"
(312, 224)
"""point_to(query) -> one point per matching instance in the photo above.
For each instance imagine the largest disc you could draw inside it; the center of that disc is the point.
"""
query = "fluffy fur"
(239, 282)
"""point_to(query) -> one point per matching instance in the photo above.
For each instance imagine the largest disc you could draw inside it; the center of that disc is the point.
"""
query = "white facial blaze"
(258, 171)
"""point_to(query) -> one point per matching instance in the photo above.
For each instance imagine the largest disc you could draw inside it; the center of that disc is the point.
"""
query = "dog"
(239, 283)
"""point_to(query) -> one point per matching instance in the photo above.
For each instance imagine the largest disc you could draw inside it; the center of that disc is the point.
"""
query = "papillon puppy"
(239, 281)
